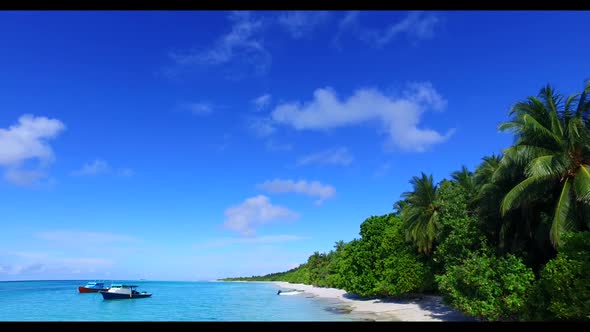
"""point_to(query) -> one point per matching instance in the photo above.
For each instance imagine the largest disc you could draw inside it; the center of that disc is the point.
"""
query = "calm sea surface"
(171, 301)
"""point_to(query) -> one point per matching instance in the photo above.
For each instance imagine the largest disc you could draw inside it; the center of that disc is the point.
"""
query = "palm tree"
(493, 182)
(552, 144)
(339, 246)
(485, 171)
(420, 214)
(398, 207)
(488, 196)
(465, 179)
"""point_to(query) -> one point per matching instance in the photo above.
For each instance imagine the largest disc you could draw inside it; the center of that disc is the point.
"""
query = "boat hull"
(119, 296)
(83, 289)
(291, 293)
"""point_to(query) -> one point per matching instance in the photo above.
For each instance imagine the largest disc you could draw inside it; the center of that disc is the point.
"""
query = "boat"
(121, 291)
(290, 292)
(93, 287)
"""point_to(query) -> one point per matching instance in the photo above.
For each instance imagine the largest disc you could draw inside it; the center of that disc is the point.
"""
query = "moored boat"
(290, 292)
(93, 287)
(120, 291)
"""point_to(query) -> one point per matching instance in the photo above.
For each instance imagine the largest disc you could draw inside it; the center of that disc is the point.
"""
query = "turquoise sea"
(59, 300)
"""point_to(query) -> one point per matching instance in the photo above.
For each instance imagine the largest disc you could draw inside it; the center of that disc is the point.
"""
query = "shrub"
(488, 286)
(459, 235)
(564, 285)
(381, 263)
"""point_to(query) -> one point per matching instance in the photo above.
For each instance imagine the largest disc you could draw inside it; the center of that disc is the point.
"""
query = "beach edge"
(426, 308)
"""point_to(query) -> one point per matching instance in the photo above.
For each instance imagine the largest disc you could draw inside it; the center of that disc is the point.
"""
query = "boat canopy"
(122, 286)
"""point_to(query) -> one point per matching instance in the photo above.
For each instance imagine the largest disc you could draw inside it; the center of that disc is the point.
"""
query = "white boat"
(290, 292)
(120, 291)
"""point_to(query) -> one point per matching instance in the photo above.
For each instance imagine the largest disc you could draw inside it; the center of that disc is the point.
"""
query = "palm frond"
(582, 102)
(526, 190)
(510, 125)
(504, 169)
(546, 166)
(532, 124)
(567, 107)
(582, 184)
(562, 217)
(575, 127)
(522, 154)
(552, 101)
(485, 171)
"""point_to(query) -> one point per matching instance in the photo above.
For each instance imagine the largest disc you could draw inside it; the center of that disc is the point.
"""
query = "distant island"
(508, 241)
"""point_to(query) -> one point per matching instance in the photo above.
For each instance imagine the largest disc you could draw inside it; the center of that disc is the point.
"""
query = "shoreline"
(426, 308)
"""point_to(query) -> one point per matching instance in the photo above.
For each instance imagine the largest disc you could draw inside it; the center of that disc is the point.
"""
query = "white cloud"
(274, 146)
(29, 268)
(28, 263)
(262, 127)
(126, 172)
(253, 212)
(309, 188)
(249, 240)
(28, 254)
(96, 167)
(86, 261)
(337, 156)
(27, 141)
(198, 108)
(23, 177)
(225, 144)
(83, 237)
(300, 23)
(416, 25)
(242, 43)
(382, 170)
(262, 102)
(99, 166)
(399, 116)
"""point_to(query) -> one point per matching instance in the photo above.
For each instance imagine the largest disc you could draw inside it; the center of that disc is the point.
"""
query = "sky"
(195, 145)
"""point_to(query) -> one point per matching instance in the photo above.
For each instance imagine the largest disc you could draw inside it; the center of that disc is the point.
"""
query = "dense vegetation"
(508, 241)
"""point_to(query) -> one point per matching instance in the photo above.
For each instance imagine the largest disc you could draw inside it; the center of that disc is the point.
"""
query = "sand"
(423, 308)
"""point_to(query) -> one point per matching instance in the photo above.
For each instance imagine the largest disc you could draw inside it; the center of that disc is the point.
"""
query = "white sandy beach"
(426, 308)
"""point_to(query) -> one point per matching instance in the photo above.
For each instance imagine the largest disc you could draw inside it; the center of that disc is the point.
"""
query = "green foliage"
(488, 286)
(459, 234)
(297, 275)
(403, 274)
(466, 180)
(420, 213)
(564, 286)
(381, 263)
(552, 143)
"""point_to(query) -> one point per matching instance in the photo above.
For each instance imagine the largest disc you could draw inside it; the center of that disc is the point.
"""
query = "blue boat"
(120, 292)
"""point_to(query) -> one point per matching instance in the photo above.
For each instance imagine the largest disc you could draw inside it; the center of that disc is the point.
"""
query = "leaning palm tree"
(552, 143)
(420, 214)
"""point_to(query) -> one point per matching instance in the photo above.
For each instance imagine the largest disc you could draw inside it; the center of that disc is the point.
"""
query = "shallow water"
(171, 301)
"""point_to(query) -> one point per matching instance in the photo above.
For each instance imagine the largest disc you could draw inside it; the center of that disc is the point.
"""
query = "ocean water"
(171, 301)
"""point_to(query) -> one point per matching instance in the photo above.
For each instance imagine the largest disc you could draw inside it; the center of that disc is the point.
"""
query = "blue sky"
(189, 145)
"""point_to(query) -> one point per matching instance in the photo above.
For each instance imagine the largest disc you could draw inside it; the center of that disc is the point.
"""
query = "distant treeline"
(508, 241)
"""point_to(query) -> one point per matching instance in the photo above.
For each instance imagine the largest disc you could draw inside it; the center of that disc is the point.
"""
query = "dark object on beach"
(279, 292)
